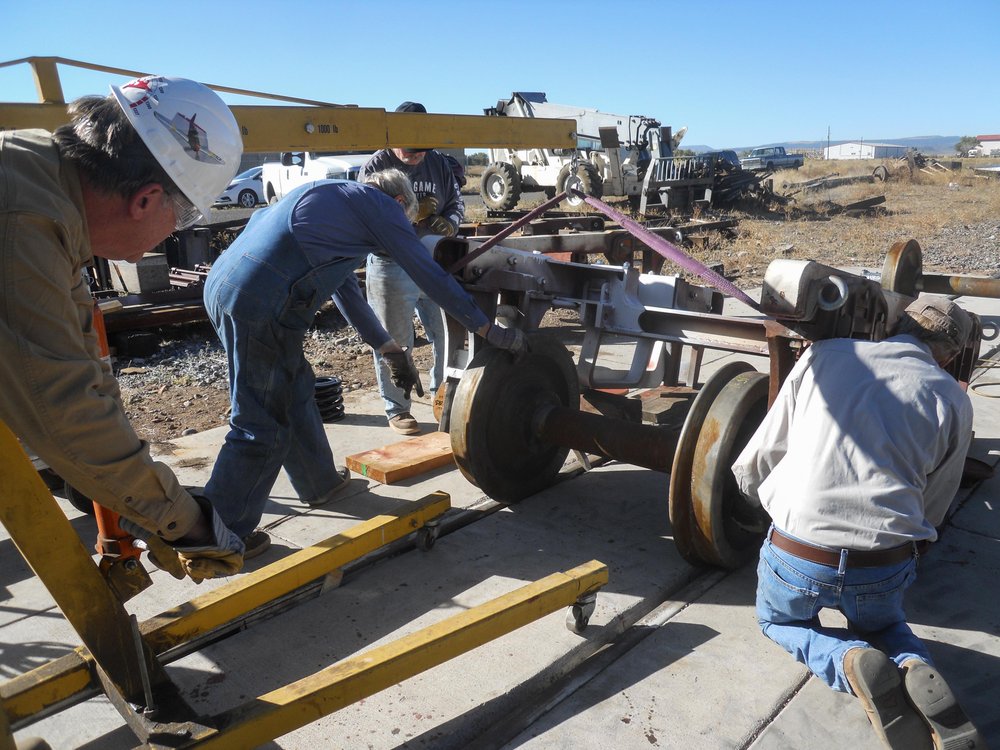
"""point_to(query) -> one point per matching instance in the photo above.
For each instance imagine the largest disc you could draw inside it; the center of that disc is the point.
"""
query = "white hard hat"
(189, 130)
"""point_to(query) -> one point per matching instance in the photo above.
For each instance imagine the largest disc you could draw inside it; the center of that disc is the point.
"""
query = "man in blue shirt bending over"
(262, 296)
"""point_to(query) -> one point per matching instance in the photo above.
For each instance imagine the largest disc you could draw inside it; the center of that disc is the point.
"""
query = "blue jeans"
(261, 314)
(791, 592)
(394, 297)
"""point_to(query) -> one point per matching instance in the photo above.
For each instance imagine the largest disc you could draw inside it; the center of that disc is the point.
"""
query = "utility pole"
(828, 142)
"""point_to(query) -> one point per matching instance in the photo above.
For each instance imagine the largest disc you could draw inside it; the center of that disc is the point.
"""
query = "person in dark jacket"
(392, 293)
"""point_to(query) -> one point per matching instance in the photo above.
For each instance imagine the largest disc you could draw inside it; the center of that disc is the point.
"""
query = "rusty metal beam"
(972, 286)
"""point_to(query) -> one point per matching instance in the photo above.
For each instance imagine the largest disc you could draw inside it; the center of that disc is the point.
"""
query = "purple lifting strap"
(670, 251)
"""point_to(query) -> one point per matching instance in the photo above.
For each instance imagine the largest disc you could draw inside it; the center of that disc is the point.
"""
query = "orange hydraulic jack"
(120, 564)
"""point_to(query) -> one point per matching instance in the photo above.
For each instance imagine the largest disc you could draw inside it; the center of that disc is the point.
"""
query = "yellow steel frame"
(6, 736)
(292, 706)
(320, 126)
(51, 684)
(36, 524)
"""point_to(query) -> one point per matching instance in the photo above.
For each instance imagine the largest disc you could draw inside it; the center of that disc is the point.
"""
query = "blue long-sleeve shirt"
(297, 253)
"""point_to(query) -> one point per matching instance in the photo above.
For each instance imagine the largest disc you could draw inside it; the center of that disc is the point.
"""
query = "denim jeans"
(791, 591)
(261, 313)
(394, 297)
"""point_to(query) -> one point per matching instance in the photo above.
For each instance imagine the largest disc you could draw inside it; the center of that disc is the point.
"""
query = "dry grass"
(919, 206)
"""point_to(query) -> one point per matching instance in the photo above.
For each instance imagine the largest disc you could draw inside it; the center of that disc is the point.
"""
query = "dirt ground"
(955, 216)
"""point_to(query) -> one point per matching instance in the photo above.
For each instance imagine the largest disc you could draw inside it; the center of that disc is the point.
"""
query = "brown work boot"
(404, 424)
(874, 678)
(933, 699)
(255, 543)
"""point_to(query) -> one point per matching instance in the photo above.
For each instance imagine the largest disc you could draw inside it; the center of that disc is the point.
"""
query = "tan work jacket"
(56, 393)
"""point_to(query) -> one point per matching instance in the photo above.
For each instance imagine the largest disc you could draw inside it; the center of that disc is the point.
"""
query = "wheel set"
(514, 422)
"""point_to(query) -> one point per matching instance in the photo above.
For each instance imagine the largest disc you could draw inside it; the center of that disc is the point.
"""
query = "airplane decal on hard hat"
(190, 135)
(150, 85)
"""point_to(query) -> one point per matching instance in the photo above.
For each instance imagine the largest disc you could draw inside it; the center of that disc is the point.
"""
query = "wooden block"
(403, 460)
(666, 405)
(611, 404)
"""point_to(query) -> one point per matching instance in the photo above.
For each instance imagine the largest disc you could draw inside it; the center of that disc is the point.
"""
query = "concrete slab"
(672, 657)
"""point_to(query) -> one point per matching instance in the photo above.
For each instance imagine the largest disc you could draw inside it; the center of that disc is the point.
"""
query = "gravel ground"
(183, 387)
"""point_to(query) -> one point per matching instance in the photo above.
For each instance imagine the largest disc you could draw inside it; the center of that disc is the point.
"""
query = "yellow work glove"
(426, 206)
(440, 225)
(221, 556)
(200, 564)
(163, 556)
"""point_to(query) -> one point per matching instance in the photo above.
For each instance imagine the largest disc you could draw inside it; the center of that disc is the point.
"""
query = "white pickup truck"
(771, 158)
(299, 167)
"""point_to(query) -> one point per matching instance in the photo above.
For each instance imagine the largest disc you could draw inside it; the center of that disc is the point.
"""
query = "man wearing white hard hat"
(126, 171)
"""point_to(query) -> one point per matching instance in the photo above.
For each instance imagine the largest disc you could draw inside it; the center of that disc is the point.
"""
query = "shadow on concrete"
(14, 569)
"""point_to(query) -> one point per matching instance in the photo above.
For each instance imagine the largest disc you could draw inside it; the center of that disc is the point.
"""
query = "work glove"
(402, 371)
(439, 225)
(222, 555)
(426, 207)
(511, 339)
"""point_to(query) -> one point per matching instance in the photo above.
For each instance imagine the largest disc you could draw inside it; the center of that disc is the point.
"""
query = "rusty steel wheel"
(712, 522)
(493, 415)
(684, 457)
(730, 527)
(902, 268)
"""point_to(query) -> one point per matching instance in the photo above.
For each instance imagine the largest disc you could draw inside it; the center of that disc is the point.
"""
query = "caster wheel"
(426, 537)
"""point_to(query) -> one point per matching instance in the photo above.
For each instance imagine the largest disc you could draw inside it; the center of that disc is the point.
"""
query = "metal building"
(989, 145)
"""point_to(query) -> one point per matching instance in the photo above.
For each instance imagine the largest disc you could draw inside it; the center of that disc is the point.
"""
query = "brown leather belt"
(855, 558)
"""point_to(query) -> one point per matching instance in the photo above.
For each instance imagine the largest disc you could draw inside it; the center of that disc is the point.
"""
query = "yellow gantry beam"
(348, 129)
(51, 684)
(321, 126)
(288, 708)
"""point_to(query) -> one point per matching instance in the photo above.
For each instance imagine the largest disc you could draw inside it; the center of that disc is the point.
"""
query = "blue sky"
(735, 73)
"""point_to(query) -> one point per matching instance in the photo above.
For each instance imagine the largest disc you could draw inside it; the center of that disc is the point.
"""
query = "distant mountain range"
(925, 144)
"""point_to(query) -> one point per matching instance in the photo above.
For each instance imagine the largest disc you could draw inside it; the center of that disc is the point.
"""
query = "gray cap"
(939, 315)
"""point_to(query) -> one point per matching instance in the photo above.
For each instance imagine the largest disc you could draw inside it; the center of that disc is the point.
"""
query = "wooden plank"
(409, 458)
(616, 405)
(666, 405)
